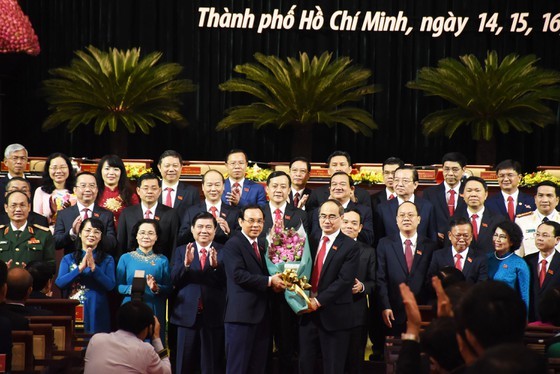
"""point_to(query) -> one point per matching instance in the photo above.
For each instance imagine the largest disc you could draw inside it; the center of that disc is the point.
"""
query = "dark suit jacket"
(186, 196)
(228, 212)
(484, 242)
(366, 275)
(378, 198)
(253, 193)
(306, 191)
(194, 283)
(392, 271)
(34, 218)
(321, 194)
(496, 203)
(25, 311)
(334, 291)
(64, 222)
(551, 280)
(3, 180)
(475, 269)
(18, 321)
(386, 219)
(247, 282)
(293, 217)
(167, 220)
(365, 236)
(436, 196)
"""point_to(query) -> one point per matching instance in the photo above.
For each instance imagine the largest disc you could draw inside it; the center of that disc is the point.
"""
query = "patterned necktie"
(202, 257)
(148, 214)
(214, 211)
(85, 212)
(511, 209)
(458, 262)
(451, 203)
(408, 254)
(474, 226)
(168, 200)
(542, 273)
(316, 274)
(256, 249)
(277, 215)
(296, 199)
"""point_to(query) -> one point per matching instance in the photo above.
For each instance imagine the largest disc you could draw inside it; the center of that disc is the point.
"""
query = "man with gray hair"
(15, 159)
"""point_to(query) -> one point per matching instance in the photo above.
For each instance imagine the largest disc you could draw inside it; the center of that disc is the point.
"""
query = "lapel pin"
(96, 214)
(287, 216)
(484, 225)
(179, 197)
(551, 272)
(469, 259)
(505, 266)
(334, 247)
(246, 189)
(419, 252)
(156, 218)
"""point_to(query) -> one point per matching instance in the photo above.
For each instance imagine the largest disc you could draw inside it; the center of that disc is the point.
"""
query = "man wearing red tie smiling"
(327, 326)
(239, 191)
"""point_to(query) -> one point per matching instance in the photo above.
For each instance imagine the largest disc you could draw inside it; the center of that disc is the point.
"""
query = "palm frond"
(115, 89)
(506, 95)
(300, 91)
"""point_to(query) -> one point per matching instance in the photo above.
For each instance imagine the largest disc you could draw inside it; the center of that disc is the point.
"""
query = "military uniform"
(528, 222)
(35, 243)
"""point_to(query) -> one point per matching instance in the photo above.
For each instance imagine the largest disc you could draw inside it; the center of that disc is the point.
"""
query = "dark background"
(209, 56)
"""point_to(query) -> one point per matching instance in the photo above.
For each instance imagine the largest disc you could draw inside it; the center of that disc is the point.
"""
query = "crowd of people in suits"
(202, 261)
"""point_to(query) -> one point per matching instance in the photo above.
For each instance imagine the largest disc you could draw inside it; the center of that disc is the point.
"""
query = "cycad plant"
(506, 95)
(115, 89)
(301, 93)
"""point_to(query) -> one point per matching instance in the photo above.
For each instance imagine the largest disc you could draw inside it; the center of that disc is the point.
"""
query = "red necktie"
(86, 215)
(511, 209)
(391, 197)
(214, 211)
(168, 200)
(451, 203)
(542, 273)
(474, 226)
(277, 215)
(408, 254)
(148, 214)
(256, 249)
(237, 188)
(202, 257)
(296, 199)
(316, 274)
(458, 262)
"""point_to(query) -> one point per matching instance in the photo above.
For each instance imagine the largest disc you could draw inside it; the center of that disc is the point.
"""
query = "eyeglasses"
(83, 186)
(146, 233)
(18, 158)
(500, 236)
(508, 175)
(407, 215)
(330, 217)
(56, 168)
(461, 236)
(252, 221)
(91, 232)
(403, 181)
(13, 207)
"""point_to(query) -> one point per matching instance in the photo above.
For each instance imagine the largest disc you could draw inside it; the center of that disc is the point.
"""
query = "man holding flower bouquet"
(327, 324)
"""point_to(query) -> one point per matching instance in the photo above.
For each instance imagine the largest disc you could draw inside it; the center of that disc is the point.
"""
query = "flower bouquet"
(288, 254)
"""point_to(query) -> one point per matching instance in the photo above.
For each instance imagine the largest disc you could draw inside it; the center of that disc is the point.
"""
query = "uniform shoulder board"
(524, 214)
(2, 226)
(41, 227)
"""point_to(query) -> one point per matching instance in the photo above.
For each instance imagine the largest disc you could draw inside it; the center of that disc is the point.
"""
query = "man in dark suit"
(362, 292)
(42, 279)
(239, 191)
(405, 183)
(389, 166)
(445, 197)
(17, 321)
(300, 167)
(341, 188)
(482, 219)
(544, 265)
(148, 190)
(23, 185)
(175, 194)
(20, 285)
(402, 258)
(337, 161)
(473, 265)
(510, 201)
(247, 322)
(199, 278)
(226, 215)
(326, 327)
(15, 159)
(285, 328)
(69, 220)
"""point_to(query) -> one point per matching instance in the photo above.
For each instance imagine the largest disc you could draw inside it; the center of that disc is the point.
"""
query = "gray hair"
(13, 148)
